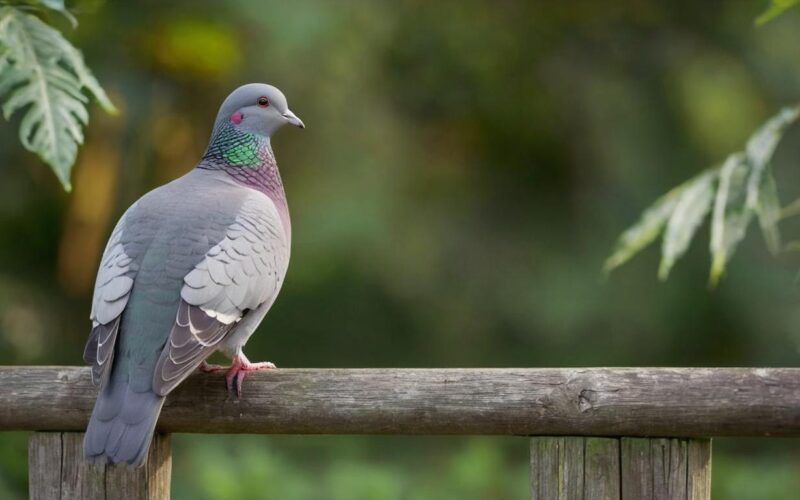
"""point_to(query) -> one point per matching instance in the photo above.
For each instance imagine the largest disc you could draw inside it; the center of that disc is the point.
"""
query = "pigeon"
(191, 268)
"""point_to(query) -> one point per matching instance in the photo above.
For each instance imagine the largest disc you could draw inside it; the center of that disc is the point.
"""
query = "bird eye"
(263, 101)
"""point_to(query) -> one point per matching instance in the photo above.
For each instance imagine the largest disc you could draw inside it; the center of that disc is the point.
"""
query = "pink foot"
(240, 367)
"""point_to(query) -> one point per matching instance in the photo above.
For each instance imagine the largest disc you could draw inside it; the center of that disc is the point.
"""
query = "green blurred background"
(466, 168)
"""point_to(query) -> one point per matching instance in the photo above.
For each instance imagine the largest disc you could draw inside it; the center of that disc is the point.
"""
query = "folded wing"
(241, 272)
(111, 292)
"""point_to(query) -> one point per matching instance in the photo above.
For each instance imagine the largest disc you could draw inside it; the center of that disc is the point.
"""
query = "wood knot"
(586, 400)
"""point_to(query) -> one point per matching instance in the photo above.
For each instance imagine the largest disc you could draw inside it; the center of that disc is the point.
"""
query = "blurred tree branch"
(741, 188)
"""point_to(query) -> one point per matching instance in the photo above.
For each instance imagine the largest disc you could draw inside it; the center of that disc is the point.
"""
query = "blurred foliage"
(44, 75)
(741, 188)
(193, 48)
(776, 8)
(465, 168)
(352, 468)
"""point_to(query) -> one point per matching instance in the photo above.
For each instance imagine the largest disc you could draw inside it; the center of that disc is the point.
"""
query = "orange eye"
(263, 101)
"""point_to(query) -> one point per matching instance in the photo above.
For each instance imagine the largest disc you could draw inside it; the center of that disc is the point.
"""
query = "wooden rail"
(664, 402)
(656, 421)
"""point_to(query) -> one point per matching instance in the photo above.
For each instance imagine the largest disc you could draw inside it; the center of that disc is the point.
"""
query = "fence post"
(567, 468)
(57, 470)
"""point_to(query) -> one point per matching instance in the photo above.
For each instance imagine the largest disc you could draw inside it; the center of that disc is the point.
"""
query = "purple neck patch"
(249, 160)
(236, 118)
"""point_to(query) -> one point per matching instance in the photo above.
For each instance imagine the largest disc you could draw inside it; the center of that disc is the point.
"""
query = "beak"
(293, 119)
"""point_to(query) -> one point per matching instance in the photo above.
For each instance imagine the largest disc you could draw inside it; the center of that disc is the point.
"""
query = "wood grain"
(57, 470)
(669, 459)
(44, 466)
(557, 468)
(544, 468)
(653, 402)
(699, 477)
(601, 469)
(589, 468)
(637, 469)
(79, 478)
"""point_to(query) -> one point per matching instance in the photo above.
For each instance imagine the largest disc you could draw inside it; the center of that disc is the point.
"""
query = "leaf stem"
(790, 210)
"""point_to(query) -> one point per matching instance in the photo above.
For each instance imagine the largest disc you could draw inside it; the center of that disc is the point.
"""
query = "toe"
(230, 377)
(266, 365)
(207, 368)
(239, 382)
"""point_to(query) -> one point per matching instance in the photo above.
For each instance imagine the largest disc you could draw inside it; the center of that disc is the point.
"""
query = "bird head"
(257, 108)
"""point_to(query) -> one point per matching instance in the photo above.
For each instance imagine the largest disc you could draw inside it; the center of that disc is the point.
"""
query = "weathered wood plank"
(44, 466)
(57, 470)
(656, 402)
(544, 468)
(571, 473)
(636, 469)
(666, 469)
(557, 468)
(601, 469)
(79, 478)
(699, 475)
(620, 468)
(150, 482)
(669, 468)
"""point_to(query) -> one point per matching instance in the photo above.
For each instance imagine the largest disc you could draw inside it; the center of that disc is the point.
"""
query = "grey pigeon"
(191, 268)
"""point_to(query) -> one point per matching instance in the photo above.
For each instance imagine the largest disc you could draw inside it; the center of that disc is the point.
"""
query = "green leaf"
(646, 229)
(54, 4)
(43, 76)
(74, 59)
(692, 207)
(776, 8)
(730, 217)
(745, 187)
(760, 148)
(41, 5)
(60, 7)
(768, 211)
(790, 210)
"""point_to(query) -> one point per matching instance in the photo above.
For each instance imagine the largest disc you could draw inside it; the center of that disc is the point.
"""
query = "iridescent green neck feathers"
(238, 148)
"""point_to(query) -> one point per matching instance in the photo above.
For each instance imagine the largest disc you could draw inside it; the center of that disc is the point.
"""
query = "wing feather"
(112, 290)
(244, 270)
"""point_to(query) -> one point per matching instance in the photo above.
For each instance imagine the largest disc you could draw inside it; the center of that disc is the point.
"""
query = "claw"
(239, 369)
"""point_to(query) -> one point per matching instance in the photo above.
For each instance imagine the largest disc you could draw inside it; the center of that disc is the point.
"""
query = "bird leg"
(240, 367)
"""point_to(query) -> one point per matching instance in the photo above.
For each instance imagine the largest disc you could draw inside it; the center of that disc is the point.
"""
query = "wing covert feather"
(244, 270)
(111, 292)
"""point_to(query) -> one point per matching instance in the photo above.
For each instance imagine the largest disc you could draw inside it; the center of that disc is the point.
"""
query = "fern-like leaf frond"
(43, 76)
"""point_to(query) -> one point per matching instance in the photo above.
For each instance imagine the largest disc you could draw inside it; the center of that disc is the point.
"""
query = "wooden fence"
(610, 433)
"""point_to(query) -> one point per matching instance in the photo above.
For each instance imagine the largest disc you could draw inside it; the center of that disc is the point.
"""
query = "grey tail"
(122, 423)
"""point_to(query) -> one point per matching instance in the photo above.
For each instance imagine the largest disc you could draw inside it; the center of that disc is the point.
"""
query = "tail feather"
(122, 424)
